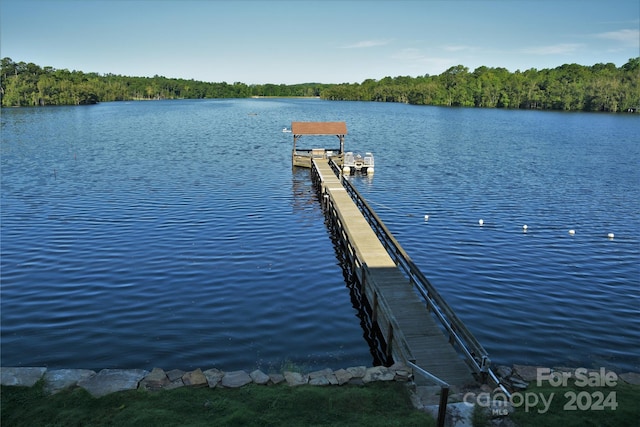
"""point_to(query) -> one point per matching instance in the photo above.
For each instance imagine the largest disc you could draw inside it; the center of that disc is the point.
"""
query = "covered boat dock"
(302, 156)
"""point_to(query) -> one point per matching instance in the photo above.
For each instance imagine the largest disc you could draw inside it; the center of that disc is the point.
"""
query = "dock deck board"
(424, 337)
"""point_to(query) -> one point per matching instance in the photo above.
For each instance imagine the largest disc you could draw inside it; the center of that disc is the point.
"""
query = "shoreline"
(106, 381)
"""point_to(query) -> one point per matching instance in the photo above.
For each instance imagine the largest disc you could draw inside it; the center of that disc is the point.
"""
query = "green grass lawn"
(573, 406)
(376, 404)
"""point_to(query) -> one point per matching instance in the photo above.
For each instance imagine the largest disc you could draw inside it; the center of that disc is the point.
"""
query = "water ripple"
(176, 234)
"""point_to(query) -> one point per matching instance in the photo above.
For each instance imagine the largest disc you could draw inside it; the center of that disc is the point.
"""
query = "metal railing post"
(442, 407)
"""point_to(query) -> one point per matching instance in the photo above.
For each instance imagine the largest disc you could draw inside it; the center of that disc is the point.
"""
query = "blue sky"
(330, 41)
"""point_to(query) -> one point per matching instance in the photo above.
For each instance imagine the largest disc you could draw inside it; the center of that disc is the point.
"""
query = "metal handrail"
(475, 354)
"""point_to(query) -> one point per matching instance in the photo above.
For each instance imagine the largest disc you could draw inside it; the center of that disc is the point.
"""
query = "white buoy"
(426, 217)
(524, 228)
(481, 222)
(611, 235)
(572, 232)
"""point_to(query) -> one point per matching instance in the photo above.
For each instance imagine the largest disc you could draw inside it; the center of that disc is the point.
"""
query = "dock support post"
(363, 281)
(442, 408)
(389, 343)
(374, 309)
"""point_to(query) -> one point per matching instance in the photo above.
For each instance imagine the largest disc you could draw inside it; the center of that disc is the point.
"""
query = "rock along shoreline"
(426, 398)
(108, 381)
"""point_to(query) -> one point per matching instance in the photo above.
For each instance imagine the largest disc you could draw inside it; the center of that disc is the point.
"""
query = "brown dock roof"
(319, 128)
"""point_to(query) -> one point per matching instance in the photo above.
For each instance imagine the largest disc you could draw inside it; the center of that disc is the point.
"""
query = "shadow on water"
(306, 197)
(371, 332)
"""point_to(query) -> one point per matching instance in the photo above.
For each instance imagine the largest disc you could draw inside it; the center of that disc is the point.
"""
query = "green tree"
(601, 87)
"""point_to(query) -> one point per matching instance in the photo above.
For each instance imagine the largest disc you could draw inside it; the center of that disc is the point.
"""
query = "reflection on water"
(177, 234)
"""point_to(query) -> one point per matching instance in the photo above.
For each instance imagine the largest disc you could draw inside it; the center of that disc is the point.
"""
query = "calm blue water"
(176, 234)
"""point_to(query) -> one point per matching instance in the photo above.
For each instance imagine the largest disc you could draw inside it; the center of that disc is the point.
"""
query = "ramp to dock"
(410, 329)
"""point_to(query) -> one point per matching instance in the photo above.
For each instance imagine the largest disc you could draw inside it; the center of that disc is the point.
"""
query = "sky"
(307, 41)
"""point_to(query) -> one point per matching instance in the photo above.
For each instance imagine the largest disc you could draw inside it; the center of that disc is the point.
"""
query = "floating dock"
(303, 156)
(350, 162)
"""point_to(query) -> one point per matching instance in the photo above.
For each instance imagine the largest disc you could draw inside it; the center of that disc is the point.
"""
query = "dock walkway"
(410, 328)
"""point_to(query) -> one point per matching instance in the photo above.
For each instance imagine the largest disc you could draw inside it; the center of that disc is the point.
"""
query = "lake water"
(176, 233)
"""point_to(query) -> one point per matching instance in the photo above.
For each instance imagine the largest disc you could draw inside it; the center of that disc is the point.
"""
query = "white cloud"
(366, 44)
(556, 49)
(408, 54)
(454, 48)
(627, 37)
(430, 64)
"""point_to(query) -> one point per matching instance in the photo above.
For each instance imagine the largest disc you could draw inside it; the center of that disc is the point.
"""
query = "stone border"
(109, 381)
(113, 380)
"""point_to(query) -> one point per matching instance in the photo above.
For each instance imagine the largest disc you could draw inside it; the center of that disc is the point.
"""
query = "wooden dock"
(416, 328)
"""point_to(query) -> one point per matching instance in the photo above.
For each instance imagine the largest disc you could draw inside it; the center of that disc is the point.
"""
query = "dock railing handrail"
(395, 332)
(476, 356)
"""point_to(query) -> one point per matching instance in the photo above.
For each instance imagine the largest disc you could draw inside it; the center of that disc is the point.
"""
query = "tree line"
(27, 84)
(570, 87)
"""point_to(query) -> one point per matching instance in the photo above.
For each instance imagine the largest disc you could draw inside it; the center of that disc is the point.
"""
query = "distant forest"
(570, 87)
